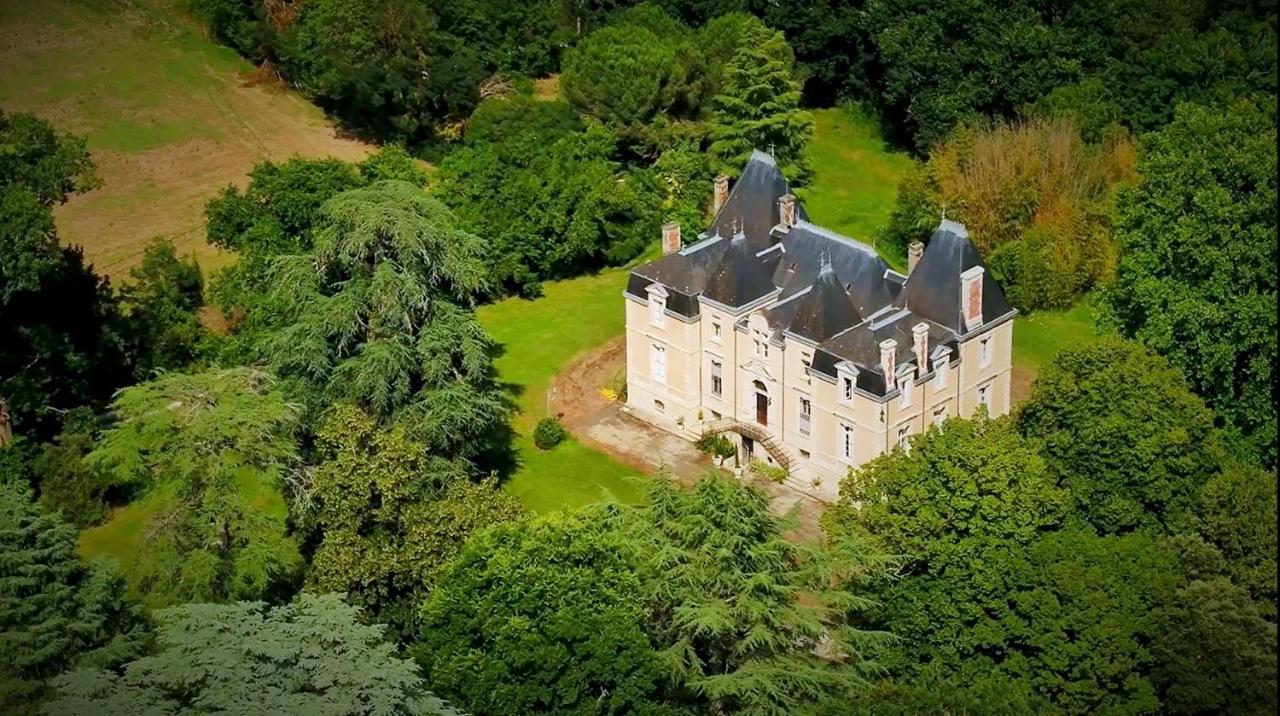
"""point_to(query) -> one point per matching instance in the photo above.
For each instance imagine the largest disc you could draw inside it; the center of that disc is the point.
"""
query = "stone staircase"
(780, 453)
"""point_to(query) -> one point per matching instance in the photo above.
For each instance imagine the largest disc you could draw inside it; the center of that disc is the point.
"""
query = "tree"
(1123, 433)
(962, 508)
(744, 619)
(378, 315)
(1036, 199)
(65, 483)
(1216, 652)
(541, 616)
(1236, 513)
(62, 339)
(759, 108)
(370, 63)
(51, 166)
(621, 74)
(390, 515)
(55, 611)
(209, 453)
(550, 210)
(1197, 275)
(311, 656)
(160, 304)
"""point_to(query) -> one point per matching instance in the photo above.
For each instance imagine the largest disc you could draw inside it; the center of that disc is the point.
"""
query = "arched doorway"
(762, 402)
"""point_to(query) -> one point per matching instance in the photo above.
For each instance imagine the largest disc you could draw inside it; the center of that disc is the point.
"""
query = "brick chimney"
(888, 356)
(914, 251)
(720, 194)
(787, 210)
(971, 297)
(670, 237)
(920, 336)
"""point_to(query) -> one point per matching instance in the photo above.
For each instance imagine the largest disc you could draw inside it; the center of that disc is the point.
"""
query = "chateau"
(802, 344)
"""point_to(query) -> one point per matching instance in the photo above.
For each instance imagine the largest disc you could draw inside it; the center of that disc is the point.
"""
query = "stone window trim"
(657, 304)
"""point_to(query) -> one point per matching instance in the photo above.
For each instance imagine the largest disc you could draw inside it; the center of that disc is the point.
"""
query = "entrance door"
(762, 408)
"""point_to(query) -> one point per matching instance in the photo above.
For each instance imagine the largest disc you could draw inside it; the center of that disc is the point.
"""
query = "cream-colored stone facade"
(755, 373)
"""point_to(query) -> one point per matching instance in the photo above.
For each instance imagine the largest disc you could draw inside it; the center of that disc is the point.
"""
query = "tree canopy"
(208, 453)
(1197, 275)
(389, 515)
(314, 655)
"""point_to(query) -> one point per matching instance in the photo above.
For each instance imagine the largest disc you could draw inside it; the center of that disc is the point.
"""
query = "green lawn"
(855, 176)
(540, 338)
(1037, 338)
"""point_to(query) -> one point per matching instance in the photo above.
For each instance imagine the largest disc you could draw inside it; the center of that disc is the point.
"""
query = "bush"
(717, 446)
(548, 433)
(773, 473)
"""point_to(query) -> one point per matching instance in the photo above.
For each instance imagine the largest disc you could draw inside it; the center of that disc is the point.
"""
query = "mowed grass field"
(855, 177)
(169, 116)
(539, 338)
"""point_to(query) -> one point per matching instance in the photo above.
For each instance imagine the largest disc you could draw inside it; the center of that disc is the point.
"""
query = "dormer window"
(846, 381)
(906, 387)
(715, 331)
(657, 304)
(941, 366)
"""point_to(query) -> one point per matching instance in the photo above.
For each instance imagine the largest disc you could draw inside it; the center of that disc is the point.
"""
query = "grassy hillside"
(168, 115)
(855, 176)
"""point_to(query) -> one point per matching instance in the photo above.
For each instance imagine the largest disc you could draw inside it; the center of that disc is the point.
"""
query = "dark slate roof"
(741, 277)
(933, 288)
(824, 310)
(752, 206)
(831, 289)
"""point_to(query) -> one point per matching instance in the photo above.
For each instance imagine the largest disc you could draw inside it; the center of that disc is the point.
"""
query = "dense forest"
(317, 474)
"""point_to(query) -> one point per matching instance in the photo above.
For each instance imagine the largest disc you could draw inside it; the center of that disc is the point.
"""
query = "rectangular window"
(715, 330)
(985, 347)
(804, 454)
(984, 397)
(659, 406)
(847, 389)
(806, 415)
(941, 366)
(846, 442)
(715, 415)
(759, 347)
(939, 415)
(904, 433)
(657, 307)
(717, 378)
(658, 363)
(907, 388)
(806, 362)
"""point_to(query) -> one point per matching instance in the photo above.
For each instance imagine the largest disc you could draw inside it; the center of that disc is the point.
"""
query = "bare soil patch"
(576, 391)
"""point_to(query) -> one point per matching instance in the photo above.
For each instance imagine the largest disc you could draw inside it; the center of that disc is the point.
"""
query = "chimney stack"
(787, 210)
(914, 251)
(888, 356)
(920, 334)
(720, 195)
(670, 237)
(971, 297)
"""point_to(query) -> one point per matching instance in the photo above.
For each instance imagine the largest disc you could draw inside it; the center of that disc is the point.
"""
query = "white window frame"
(845, 439)
(984, 396)
(715, 331)
(657, 305)
(659, 406)
(941, 367)
(806, 362)
(904, 437)
(804, 424)
(984, 351)
(658, 363)
(939, 416)
(906, 389)
(717, 376)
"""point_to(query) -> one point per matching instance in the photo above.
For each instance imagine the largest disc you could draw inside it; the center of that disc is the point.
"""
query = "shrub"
(717, 446)
(773, 473)
(548, 433)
